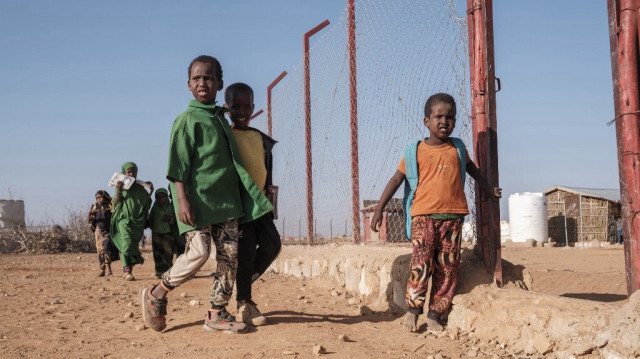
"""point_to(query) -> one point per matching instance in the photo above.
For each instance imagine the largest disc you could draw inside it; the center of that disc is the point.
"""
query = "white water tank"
(505, 231)
(528, 217)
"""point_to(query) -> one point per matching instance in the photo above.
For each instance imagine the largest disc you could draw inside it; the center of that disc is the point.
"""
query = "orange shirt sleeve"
(401, 167)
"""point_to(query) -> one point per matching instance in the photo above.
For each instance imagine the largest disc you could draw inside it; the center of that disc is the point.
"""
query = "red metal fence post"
(256, 114)
(484, 127)
(623, 35)
(307, 127)
(269, 88)
(353, 95)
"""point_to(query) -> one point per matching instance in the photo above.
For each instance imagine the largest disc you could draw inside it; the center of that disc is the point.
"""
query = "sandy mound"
(537, 324)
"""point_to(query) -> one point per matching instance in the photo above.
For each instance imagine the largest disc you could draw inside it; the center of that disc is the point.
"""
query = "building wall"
(587, 218)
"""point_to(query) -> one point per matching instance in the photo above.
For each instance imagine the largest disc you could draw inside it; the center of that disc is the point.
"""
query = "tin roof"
(604, 193)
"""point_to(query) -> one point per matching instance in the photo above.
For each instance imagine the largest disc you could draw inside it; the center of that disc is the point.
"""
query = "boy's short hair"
(437, 98)
(234, 88)
(209, 60)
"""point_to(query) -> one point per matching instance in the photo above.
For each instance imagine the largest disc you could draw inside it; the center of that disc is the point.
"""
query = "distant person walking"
(100, 220)
(165, 241)
(130, 213)
(619, 229)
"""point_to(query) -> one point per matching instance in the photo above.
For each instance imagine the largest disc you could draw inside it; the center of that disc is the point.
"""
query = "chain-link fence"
(405, 51)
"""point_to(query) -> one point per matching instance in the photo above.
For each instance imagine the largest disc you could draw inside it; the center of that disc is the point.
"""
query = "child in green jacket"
(212, 193)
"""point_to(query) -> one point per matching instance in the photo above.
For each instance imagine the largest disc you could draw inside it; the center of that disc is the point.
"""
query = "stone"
(288, 352)
(183, 294)
(140, 327)
(352, 301)
(542, 344)
(343, 338)
(364, 310)
(300, 297)
(581, 349)
(335, 293)
(128, 315)
(194, 302)
(318, 350)
(453, 335)
(472, 353)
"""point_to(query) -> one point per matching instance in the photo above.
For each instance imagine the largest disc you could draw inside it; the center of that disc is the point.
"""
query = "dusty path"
(54, 306)
(584, 273)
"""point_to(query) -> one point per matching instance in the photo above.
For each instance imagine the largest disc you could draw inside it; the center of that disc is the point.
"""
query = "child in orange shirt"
(433, 172)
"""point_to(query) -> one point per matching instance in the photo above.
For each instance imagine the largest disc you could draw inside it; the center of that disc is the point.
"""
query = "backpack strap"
(410, 183)
(462, 155)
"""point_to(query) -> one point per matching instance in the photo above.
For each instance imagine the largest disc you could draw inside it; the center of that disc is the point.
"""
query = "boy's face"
(240, 110)
(203, 82)
(161, 198)
(442, 120)
(131, 172)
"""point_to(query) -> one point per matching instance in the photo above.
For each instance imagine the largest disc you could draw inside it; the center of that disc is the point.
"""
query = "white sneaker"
(248, 313)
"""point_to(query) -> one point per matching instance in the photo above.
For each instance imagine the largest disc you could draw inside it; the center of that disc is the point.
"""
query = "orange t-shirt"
(439, 188)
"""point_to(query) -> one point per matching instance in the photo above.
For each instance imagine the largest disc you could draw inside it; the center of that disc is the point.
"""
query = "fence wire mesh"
(406, 51)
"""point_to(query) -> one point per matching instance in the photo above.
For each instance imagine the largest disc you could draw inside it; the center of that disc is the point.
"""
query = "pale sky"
(86, 86)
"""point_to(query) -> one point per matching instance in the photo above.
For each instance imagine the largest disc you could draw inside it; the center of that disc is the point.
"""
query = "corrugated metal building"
(582, 214)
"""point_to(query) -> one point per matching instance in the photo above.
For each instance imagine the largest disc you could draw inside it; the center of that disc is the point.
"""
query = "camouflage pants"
(103, 242)
(197, 250)
(436, 253)
(163, 247)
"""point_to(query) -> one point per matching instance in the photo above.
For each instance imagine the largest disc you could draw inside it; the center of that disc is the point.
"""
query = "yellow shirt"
(252, 154)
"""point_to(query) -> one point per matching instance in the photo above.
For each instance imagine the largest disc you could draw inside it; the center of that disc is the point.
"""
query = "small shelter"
(11, 213)
(582, 214)
(392, 227)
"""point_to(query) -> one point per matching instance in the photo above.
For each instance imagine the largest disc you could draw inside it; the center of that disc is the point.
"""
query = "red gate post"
(269, 88)
(307, 127)
(353, 95)
(256, 114)
(623, 36)
(484, 126)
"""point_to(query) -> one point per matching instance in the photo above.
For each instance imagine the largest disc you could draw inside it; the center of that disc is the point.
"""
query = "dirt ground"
(55, 306)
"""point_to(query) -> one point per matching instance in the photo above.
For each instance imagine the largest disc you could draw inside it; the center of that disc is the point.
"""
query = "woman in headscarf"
(130, 213)
(100, 220)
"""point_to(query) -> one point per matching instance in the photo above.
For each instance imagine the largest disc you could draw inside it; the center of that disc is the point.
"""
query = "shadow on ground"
(598, 297)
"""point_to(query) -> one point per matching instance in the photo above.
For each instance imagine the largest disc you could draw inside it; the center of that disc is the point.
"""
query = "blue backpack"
(411, 176)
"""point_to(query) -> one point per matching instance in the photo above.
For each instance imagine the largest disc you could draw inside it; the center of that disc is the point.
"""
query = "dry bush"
(75, 236)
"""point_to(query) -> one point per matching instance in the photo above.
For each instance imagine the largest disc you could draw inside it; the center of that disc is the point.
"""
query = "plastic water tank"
(528, 217)
(505, 231)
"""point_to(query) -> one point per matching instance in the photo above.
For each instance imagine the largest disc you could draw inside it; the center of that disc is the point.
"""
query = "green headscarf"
(162, 190)
(128, 165)
(129, 219)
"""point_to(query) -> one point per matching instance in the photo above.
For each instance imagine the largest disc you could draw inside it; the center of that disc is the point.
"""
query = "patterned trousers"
(163, 248)
(436, 254)
(103, 247)
(197, 250)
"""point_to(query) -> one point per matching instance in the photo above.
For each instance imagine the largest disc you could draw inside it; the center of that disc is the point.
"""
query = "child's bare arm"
(186, 214)
(474, 172)
(391, 188)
